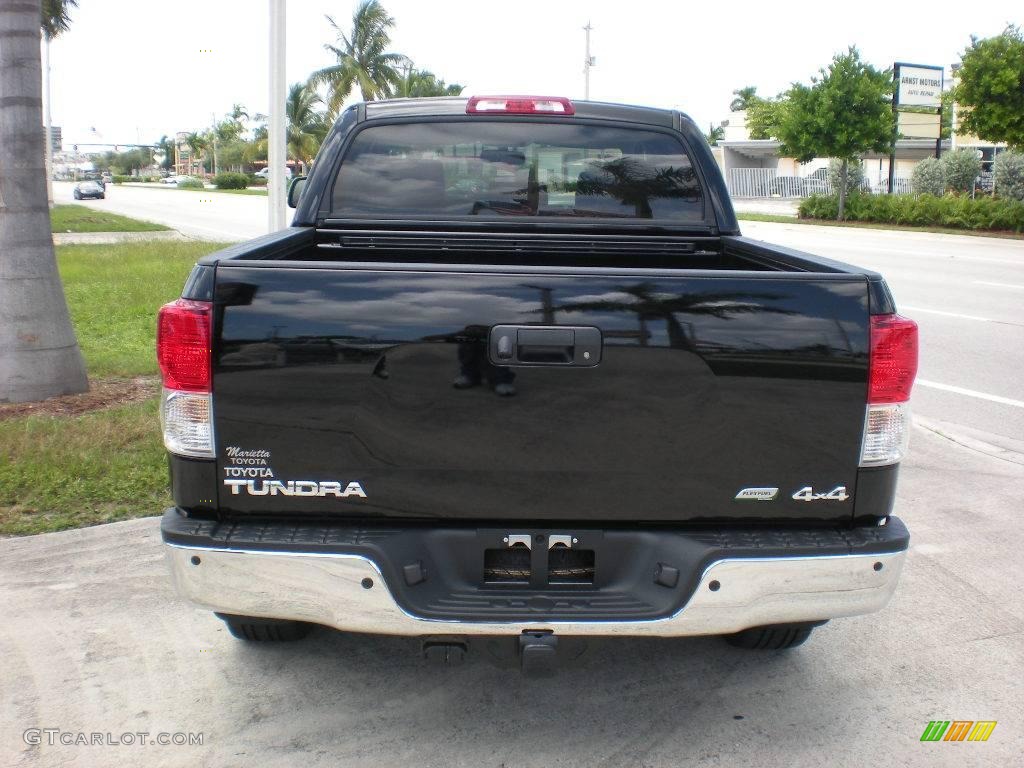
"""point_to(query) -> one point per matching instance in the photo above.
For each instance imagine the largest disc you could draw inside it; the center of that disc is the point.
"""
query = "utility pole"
(213, 134)
(276, 152)
(588, 62)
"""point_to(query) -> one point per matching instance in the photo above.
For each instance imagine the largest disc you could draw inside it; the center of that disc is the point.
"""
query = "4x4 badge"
(807, 494)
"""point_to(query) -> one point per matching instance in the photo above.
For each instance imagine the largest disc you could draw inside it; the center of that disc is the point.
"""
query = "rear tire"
(778, 637)
(257, 630)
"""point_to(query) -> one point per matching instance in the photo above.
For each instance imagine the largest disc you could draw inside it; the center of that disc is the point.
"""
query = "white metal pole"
(586, 65)
(276, 157)
(48, 119)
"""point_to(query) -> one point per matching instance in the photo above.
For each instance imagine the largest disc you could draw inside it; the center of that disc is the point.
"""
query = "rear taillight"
(520, 105)
(892, 367)
(183, 345)
(183, 337)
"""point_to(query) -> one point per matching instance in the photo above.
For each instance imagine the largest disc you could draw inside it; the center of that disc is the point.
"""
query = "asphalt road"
(206, 215)
(94, 639)
(966, 294)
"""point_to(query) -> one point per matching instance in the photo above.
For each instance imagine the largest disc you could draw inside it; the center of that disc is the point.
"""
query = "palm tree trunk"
(39, 356)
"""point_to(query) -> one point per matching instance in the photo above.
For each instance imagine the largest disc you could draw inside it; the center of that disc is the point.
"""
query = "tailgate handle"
(550, 345)
(545, 345)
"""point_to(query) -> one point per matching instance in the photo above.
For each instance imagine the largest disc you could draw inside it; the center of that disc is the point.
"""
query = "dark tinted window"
(477, 168)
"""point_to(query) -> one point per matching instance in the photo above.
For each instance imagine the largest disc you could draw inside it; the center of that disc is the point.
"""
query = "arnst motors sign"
(918, 85)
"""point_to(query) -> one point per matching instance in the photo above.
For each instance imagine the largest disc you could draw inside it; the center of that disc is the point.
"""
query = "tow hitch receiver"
(538, 651)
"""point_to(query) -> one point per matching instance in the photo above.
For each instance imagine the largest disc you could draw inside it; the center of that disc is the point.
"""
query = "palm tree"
(197, 144)
(362, 58)
(715, 134)
(39, 355)
(744, 98)
(306, 126)
(419, 82)
(55, 18)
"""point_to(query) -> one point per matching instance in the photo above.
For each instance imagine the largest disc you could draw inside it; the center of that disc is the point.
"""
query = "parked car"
(173, 179)
(264, 173)
(92, 190)
(601, 412)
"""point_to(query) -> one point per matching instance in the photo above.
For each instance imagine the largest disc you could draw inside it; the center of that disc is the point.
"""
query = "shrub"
(120, 179)
(983, 213)
(229, 180)
(854, 175)
(929, 177)
(1009, 175)
(191, 184)
(962, 167)
(257, 181)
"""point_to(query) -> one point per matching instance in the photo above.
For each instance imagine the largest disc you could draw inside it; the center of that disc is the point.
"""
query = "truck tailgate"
(334, 391)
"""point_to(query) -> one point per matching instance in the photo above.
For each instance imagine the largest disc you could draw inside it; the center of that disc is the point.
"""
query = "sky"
(134, 70)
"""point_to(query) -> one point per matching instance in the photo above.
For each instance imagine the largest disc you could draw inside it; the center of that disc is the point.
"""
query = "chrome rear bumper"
(348, 592)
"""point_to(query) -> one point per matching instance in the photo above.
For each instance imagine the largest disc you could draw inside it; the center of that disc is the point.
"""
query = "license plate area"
(539, 560)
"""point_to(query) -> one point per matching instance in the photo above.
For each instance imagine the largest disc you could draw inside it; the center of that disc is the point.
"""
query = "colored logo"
(958, 730)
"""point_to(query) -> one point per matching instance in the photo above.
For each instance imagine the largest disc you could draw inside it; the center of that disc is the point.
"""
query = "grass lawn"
(114, 291)
(67, 472)
(59, 471)
(778, 219)
(81, 218)
(247, 191)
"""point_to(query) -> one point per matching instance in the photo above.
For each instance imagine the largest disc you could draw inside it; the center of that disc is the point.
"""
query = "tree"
(55, 17)
(855, 178)
(929, 177)
(166, 147)
(306, 127)
(362, 58)
(39, 355)
(418, 83)
(763, 117)
(961, 168)
(715, 134)
(990, 88)
(197, 144)
(745, 98)
(1009, 175)
(844, 113)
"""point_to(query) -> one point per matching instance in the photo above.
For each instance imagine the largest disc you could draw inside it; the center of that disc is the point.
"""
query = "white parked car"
(264, 173)
(174, 179)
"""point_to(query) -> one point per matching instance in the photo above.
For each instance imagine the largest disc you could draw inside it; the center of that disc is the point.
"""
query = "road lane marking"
(971, 393)
(1000, 285)
(949, 314)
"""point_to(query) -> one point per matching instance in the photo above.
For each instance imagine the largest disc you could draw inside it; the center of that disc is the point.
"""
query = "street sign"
(918, 85)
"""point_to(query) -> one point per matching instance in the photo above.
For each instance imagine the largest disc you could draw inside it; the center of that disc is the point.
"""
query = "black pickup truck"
(514, 372)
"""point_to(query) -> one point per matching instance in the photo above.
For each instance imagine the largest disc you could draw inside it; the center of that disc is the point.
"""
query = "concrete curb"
(996, 446)
(107, 238)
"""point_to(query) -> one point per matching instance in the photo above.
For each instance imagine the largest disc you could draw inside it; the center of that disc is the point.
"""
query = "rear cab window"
(481, 168)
